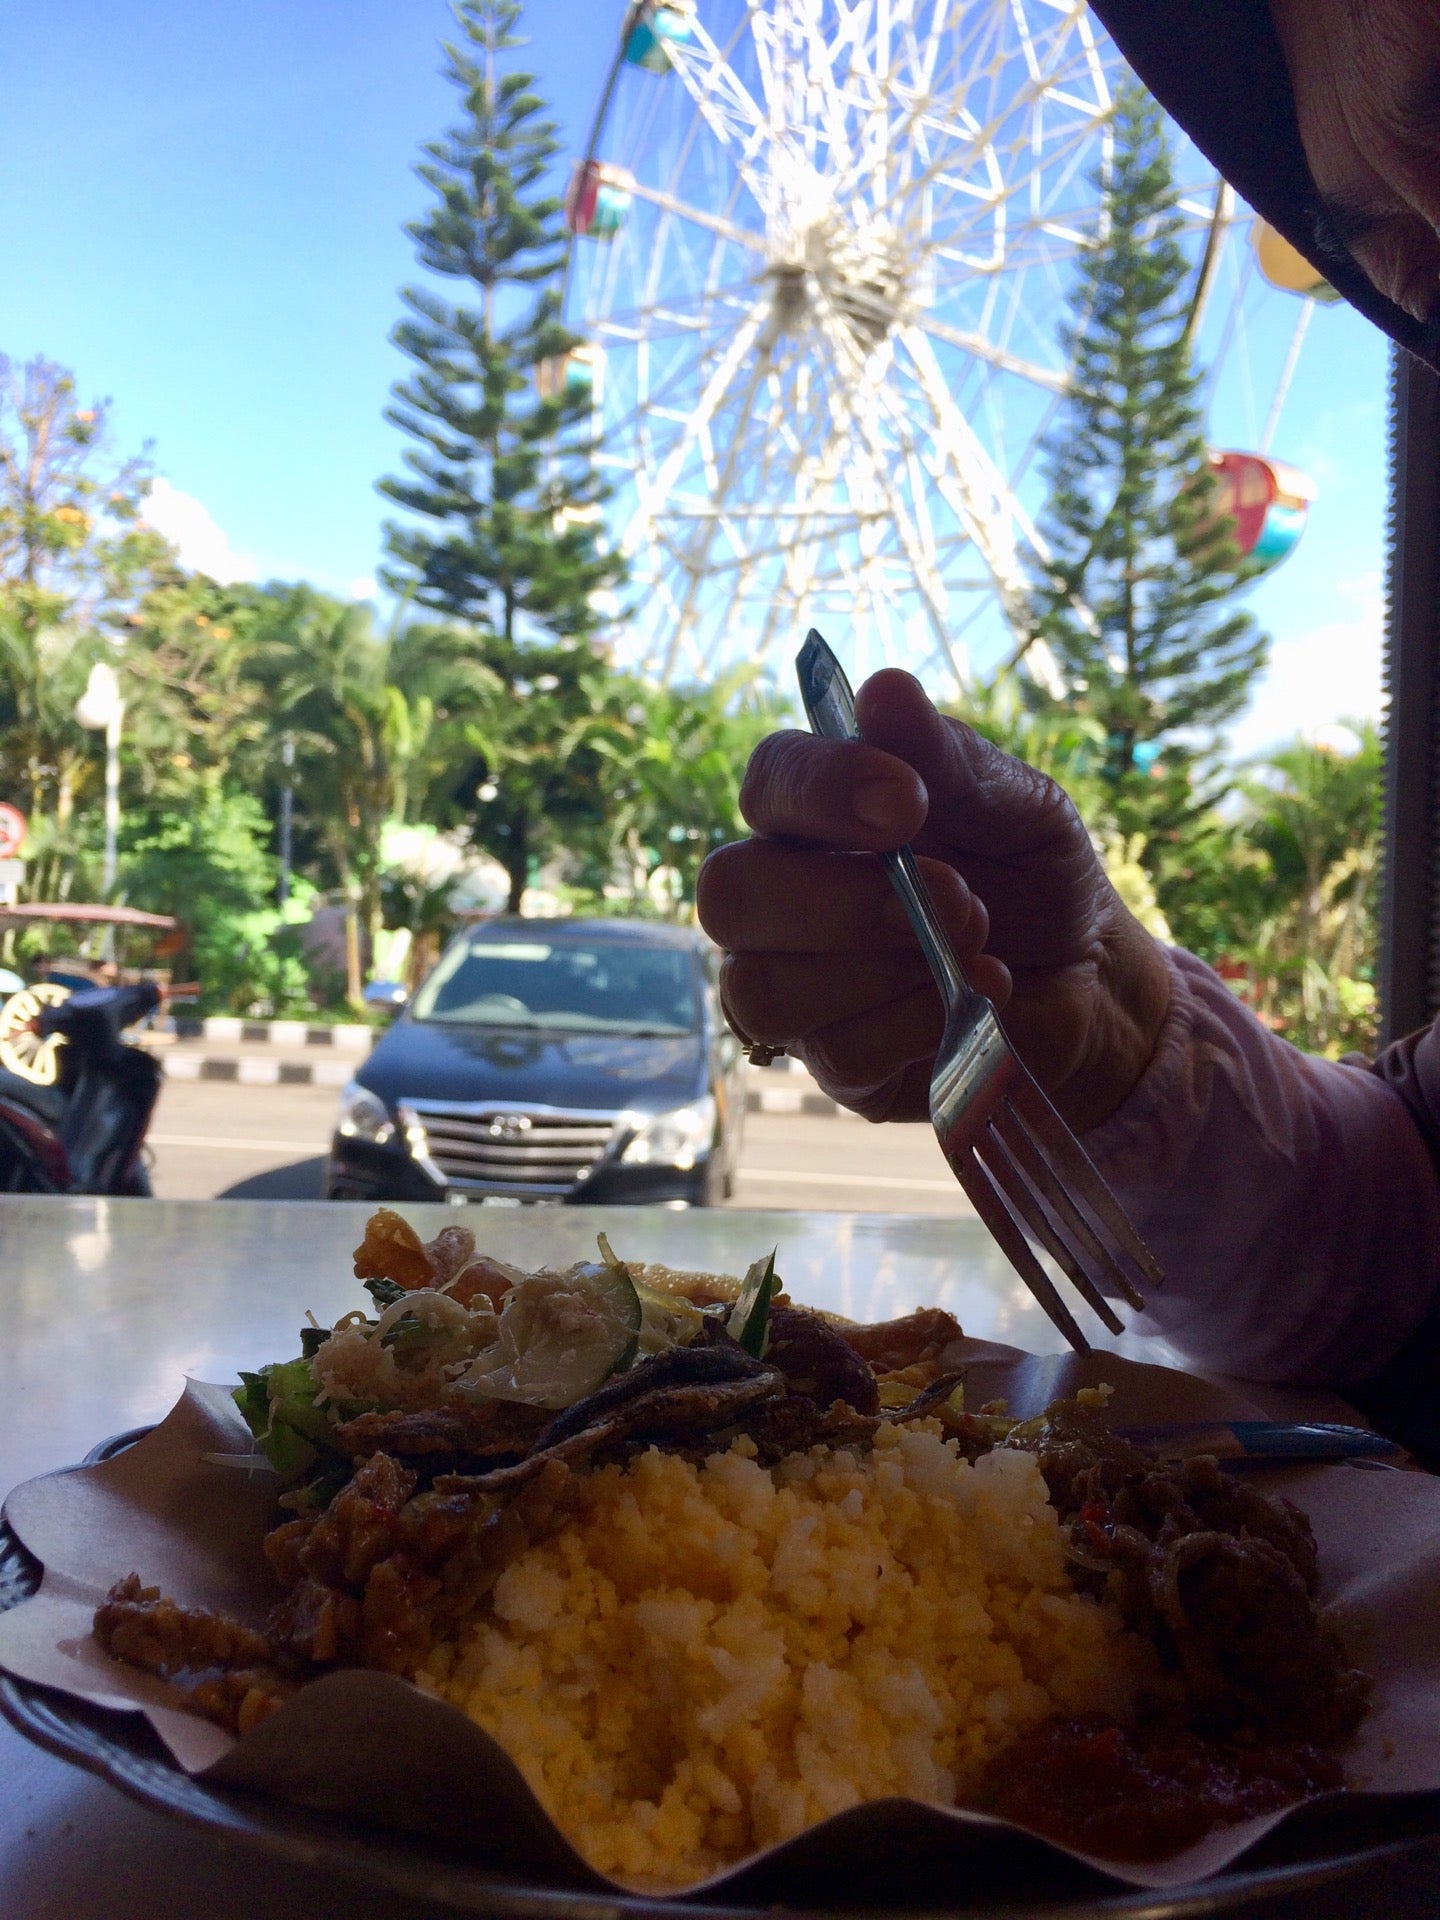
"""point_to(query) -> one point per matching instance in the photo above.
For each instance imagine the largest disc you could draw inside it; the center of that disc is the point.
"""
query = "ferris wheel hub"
(859, 274)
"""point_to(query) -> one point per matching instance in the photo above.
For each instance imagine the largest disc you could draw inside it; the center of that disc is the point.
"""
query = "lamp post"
(100, 707)
(287, 817)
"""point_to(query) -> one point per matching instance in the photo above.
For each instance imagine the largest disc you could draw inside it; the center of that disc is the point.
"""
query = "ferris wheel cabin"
(566, 375)
(598, 199)
(1268, 502)
(651, 30)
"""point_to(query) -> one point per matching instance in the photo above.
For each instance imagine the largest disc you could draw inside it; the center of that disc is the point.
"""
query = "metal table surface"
(106, 1306)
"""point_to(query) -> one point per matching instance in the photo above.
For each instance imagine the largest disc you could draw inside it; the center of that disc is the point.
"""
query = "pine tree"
(1131, 603)
(501, 474)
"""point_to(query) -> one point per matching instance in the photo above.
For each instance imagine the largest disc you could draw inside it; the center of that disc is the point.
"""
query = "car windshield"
(597, 987)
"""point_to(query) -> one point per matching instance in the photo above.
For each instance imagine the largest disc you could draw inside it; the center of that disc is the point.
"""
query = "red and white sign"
(12, 830)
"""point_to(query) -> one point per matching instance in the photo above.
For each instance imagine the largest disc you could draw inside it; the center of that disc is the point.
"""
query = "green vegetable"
(252, 1397)
(749, 1321)
(278, 1404)
(385, 1292)
(666, 1319)
(288, 1453)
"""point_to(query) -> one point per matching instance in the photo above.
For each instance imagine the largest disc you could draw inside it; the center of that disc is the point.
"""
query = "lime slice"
(666, 1319)
(560, 1336)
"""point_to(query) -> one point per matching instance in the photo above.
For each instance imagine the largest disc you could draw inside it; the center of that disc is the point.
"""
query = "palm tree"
(1313, 815)
(674, 758)
(378, 722)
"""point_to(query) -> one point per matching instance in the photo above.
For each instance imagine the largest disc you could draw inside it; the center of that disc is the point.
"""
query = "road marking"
(787, 1177)
(239, 1146)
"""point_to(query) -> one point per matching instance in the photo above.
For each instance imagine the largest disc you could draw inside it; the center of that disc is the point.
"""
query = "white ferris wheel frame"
(811, 371)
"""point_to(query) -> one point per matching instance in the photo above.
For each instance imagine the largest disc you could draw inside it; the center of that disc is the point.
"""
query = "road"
(213, 1138)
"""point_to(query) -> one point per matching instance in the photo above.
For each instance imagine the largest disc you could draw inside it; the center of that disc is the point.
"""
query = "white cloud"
(362, 588)
(1314, 679)
(202, 545)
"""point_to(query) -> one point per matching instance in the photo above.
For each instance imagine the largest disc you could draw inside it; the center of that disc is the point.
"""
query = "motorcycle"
(81, 1129)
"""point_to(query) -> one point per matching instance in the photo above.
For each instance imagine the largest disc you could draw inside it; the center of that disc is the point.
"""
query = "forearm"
(1292, 1201)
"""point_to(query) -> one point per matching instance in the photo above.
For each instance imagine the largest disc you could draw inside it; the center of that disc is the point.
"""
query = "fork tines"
(1050, 1189)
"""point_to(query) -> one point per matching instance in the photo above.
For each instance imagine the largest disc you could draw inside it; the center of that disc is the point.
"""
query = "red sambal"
(1142, 1794)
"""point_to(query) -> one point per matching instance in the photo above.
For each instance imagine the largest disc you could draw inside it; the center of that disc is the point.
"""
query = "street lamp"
(287, 817)
(101, 708)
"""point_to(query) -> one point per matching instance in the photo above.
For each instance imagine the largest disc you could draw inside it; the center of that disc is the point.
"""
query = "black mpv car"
(559, 1060)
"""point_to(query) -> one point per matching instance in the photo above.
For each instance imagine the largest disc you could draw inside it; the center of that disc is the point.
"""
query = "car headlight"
(364, 1116)
(675, 1139)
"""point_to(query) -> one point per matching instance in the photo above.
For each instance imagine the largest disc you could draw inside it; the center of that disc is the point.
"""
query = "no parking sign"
(12, 830)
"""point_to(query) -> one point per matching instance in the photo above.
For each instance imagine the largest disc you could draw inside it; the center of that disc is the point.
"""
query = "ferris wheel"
(822, 250)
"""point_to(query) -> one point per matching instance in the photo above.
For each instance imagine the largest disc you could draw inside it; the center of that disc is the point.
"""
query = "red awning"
(76, 913)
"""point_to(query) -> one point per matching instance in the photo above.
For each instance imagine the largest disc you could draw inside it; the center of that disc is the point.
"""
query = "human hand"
(1363, 79)
(821, 959)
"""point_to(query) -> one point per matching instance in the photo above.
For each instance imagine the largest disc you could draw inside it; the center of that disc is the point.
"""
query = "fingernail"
(881, 805)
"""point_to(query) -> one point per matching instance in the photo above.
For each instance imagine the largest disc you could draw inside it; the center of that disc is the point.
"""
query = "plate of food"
(615, 1587)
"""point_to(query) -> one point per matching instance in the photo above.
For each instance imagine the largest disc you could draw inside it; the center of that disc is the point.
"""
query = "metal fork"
(1027, 1174)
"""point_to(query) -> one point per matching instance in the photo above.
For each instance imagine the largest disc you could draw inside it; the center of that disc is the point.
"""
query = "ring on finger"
(759, 1055)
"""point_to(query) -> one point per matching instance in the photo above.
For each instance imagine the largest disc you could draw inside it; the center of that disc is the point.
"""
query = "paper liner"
(373, 1747)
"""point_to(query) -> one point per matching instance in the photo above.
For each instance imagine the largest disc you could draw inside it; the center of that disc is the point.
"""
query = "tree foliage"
(1132, 601)
(74, 550)
(501, 481)
(378, 723)
(675, 759)
(1274, 883)
(1312, 826)
(75, 558)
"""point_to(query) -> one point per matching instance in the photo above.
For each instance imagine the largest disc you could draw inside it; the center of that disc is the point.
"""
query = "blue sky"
(201, 211)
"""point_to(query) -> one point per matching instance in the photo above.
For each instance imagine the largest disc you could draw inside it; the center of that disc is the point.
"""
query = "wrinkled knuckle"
(775, 780)
(966, 917)
(1057, 819)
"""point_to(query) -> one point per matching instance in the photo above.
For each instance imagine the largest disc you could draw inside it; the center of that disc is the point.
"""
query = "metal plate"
(1373, 1860)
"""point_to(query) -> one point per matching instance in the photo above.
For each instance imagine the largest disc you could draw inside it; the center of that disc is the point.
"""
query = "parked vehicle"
(75, 1099)
(550, 1060)
(81, 1127)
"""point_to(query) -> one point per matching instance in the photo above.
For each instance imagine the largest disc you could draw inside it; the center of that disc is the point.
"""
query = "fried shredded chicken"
(220, 1668)
(392, 1250)
(925, 1339)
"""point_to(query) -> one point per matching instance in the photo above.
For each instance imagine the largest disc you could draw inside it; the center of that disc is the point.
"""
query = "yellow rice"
(708, 1658)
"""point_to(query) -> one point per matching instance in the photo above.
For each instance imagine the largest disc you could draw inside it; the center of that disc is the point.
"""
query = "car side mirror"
(388, 995)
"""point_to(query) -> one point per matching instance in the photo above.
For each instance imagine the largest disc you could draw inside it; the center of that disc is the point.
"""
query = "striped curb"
(251, 1072)
(230, 1031)
(789, 1100)
(257, 1073)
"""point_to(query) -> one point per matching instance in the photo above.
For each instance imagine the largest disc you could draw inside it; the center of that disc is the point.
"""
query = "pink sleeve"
(1293, 1201)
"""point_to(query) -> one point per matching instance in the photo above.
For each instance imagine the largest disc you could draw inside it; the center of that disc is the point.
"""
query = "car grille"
(544, 1152)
